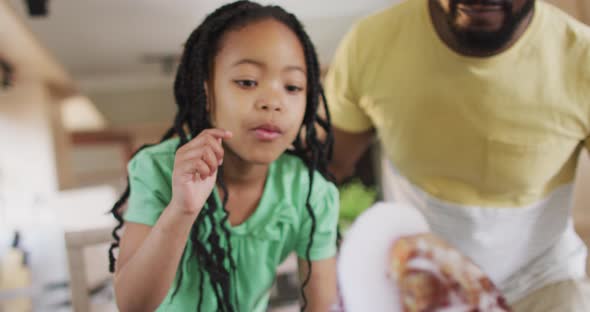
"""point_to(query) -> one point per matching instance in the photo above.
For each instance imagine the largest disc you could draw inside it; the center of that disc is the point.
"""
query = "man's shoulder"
(572, 37)
(386, 20)
(375, 34)
(568, 26)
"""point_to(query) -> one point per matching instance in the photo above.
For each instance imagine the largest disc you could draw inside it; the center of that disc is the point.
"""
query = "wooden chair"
(81, 279)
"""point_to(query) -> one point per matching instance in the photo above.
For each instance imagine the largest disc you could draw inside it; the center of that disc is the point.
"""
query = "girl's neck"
(245, 183)
(238, 172)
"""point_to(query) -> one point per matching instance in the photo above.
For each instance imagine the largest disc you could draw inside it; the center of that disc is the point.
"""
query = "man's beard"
(488, 41)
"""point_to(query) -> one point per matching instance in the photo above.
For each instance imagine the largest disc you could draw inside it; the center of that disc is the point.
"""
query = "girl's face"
(259, 86)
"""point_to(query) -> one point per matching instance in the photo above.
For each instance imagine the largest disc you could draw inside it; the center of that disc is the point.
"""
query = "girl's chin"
(259, 156)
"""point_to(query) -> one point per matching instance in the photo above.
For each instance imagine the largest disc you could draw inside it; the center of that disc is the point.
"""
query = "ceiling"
(29, 59)
(96, 40)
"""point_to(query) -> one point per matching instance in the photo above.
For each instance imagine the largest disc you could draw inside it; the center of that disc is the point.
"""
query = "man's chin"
(481, 37)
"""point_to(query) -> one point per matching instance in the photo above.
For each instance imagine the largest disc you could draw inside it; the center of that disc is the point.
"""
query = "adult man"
(483, 108)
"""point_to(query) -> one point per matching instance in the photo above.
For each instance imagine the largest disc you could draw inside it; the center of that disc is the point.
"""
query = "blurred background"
(82, 85)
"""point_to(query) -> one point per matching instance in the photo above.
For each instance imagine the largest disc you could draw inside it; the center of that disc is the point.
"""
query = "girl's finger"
(210, 159)
(216, 147)
(198, 166)
(215, 133)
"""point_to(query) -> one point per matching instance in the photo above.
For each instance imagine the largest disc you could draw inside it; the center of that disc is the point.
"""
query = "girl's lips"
(267, 133)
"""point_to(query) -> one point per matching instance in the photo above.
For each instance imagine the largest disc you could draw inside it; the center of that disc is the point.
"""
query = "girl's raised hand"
(195, 170)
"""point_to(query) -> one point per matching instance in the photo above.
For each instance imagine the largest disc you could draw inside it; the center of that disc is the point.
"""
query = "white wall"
(27, 151)
(31, 146)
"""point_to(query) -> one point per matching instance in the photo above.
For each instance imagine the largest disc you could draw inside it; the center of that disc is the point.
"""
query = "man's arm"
(348, 149)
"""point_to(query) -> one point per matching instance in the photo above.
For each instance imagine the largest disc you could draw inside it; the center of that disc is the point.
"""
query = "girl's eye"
(293, 89)
(246, 83)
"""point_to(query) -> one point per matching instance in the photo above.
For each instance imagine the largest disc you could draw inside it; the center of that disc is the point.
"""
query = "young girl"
(214, 211)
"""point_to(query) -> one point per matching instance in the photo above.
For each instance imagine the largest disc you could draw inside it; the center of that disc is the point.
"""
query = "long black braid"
(194, 70)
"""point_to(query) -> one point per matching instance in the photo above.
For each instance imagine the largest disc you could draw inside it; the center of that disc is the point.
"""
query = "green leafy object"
(354, 199)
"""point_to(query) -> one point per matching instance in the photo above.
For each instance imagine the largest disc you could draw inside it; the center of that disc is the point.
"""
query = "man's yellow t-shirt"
(471, 139)
(504, 130)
